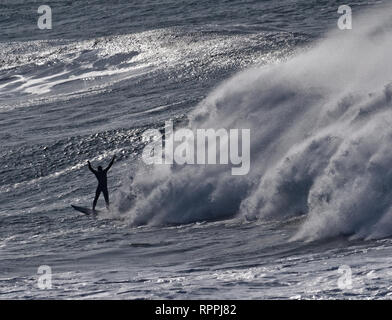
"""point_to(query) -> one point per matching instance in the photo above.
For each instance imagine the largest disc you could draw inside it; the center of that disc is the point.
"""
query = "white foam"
(321, 131)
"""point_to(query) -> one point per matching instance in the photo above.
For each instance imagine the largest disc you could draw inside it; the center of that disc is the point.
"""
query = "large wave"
(321, 143)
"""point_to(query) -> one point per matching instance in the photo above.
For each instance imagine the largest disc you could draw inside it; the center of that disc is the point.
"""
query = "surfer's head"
(99, 168)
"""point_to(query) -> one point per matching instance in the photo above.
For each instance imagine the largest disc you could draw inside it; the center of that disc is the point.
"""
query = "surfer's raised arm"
(90, 167)
(110, 164)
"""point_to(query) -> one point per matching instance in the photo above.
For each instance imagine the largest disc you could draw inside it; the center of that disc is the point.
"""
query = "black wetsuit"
(101, 176)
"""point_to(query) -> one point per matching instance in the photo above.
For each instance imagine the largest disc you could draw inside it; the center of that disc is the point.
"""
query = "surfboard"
(86, 211)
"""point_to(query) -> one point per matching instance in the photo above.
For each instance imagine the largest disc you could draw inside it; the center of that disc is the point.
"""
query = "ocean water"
(311, 220)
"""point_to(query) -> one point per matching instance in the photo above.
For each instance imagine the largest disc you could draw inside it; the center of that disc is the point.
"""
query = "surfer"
(101, 175)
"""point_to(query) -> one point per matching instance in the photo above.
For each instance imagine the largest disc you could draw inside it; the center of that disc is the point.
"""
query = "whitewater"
(315, 203)
(319, 147)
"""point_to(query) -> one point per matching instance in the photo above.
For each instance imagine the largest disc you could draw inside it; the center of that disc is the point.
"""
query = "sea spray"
(321, 128)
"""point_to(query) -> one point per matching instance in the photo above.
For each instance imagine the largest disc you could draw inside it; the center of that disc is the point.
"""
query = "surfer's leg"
(97, 194)
(106, 195)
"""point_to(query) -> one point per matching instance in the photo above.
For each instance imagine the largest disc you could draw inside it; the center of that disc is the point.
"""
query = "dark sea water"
(318, 194)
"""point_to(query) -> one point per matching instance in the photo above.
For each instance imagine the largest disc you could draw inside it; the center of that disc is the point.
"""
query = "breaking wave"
(321, 134)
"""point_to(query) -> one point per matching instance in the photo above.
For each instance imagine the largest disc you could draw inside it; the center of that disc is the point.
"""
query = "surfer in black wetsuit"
(101, 175)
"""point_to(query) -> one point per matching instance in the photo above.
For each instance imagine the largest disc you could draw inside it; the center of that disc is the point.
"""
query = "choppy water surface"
(317, 197)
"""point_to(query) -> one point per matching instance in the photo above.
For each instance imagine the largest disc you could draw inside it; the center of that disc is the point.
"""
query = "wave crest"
(321, 127)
